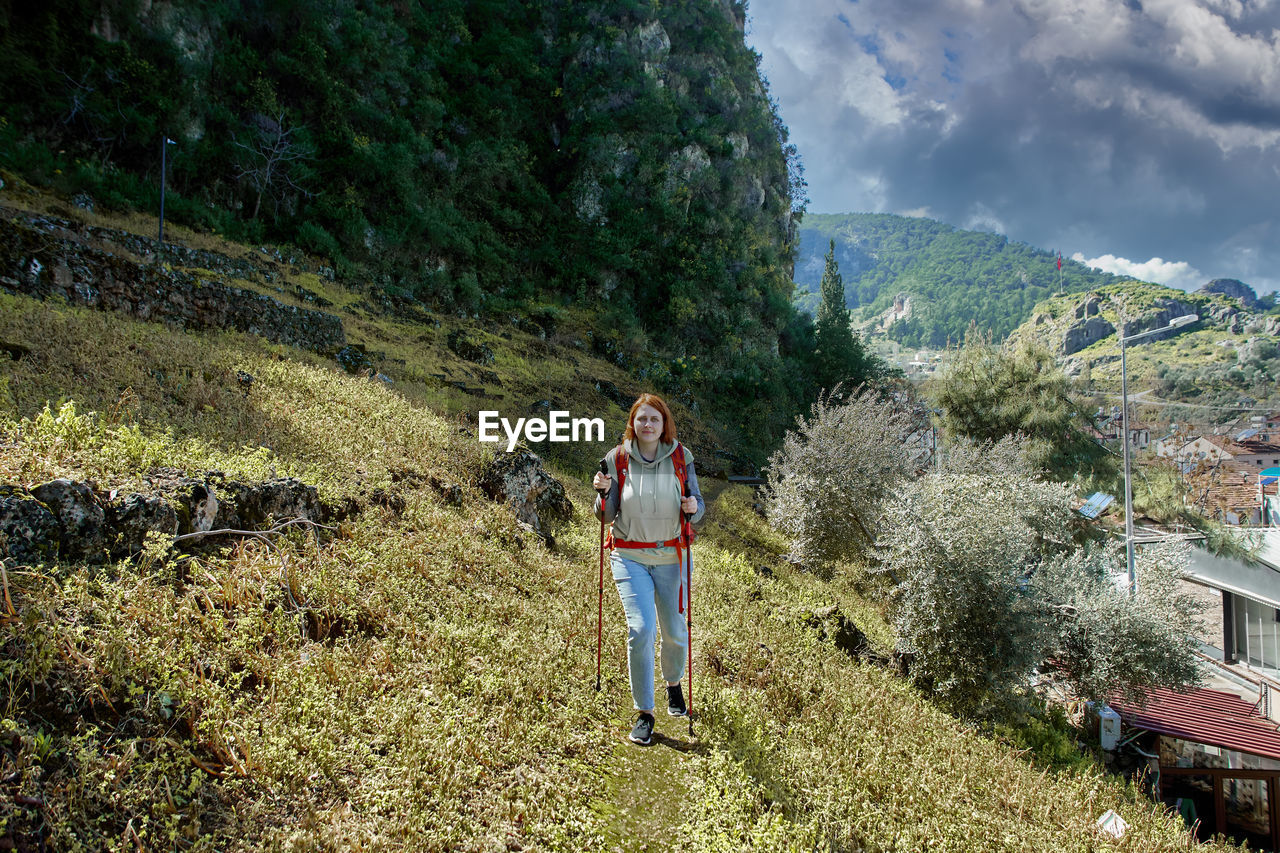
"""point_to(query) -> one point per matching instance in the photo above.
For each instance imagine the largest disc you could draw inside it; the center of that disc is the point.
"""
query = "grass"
(423, 679)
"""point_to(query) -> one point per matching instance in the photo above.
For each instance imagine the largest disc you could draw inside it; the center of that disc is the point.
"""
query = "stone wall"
(49, 258)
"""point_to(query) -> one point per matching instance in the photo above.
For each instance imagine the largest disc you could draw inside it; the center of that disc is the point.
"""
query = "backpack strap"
(677, 459)
(620, 462)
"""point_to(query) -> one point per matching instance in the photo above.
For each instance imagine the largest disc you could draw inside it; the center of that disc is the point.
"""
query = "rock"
(49, 258)
(1084, 333)
(1256, 351)
(82, 534)
(29, 532)
(461, 344)
(354, 359)
(519, 480)
(612, 392)
(451, 493)
(131, 518)
(1234, 288)
(259, 506)
(1088, 308)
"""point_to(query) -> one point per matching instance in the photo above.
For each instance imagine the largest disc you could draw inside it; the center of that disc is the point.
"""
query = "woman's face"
(647, 423)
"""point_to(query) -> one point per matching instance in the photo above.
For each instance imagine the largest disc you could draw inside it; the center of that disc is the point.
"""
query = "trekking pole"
(604, 496)
(687, 533)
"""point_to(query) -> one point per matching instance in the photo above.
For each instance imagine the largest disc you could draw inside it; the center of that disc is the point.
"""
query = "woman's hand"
(689, 505)
(601, 482)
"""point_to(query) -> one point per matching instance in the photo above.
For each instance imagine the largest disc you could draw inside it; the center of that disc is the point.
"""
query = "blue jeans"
(650, 596)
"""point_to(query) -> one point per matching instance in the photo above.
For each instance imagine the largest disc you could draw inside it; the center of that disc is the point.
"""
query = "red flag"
(1059, 262)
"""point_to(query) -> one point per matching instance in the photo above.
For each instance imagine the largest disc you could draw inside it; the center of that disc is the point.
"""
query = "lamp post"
(1175, 323)
(164, 164)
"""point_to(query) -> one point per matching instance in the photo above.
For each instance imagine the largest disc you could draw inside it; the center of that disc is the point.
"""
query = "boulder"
(81, 521)
(461, 344)
(131, 518)
(29, 532)
(259, 506)
(519, 480)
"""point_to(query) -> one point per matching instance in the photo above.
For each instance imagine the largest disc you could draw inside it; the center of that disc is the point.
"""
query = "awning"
(1213, 717)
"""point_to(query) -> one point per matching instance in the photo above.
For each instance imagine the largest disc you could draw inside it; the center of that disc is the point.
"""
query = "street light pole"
(1128, 483)
(164, 168)
(1175, 323)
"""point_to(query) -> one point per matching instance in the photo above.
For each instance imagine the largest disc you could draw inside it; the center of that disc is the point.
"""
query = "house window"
(1257, 633)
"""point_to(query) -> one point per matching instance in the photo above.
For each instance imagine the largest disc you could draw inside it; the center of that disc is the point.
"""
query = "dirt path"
(648, 787)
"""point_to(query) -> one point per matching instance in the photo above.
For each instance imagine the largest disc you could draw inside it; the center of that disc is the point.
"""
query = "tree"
(269, 159)
(1105, 643)
(987, 393)
(839, 355)
(962, 542)
(827, 481)
(990, 588)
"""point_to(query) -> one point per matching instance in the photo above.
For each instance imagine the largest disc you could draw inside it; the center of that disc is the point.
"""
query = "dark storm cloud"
(1144, 135)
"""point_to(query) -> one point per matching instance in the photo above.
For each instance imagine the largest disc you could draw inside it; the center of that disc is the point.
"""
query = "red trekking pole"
(604, 496)
(686, 533)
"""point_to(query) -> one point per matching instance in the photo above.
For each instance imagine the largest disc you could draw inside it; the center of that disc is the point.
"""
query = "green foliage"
(422, 679)
(987, 394)
(474, 156)
(827, 481)
(962, 544)
(955, 277)
(1105, 642)
(839, 356)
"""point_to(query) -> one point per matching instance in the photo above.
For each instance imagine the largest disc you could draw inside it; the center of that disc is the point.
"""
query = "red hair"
(668, 435)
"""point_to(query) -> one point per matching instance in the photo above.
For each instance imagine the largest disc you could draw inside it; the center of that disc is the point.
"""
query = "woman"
(646, 560)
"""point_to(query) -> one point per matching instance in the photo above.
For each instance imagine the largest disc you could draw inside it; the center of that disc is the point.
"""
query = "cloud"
(1179, 274)
(1135, 128)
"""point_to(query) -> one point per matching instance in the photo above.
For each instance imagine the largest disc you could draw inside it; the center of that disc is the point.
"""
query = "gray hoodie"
(650, 501)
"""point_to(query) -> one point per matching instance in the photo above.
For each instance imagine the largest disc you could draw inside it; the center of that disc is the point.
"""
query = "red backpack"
(687, 533)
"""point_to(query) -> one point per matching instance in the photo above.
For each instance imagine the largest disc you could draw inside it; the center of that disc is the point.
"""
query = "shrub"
(827, 482)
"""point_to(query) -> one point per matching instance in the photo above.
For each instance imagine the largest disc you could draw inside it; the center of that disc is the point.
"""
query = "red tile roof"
(1214, 717)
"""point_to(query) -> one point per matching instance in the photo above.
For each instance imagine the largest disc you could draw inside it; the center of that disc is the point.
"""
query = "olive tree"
(1104, 642)
(990, 588)
(962, 544)
(827, 482)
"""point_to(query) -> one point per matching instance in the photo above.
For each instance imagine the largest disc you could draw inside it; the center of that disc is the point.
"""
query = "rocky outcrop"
(1085, 333)
(1234, 288)
(520, 481)
(82, 532)
(1159, 315)
(76, 522)
(46, 258)
(29, 532)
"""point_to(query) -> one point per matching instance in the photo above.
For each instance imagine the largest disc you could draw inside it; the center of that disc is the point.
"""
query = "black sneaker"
(642, 733)
(675, 702)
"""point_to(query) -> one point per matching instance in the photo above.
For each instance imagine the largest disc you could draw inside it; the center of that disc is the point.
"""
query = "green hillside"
(1228, 359)
(954, 277)
(469, 156)
(419, 673)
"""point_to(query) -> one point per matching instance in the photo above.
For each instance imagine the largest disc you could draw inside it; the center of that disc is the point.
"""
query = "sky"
(1141, 137)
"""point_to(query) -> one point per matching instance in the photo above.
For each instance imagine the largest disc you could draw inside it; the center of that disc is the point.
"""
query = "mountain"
(1228, 358)
(923, 282)
(470, 156)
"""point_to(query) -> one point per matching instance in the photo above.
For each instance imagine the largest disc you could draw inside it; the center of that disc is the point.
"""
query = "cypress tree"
(838, 353)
